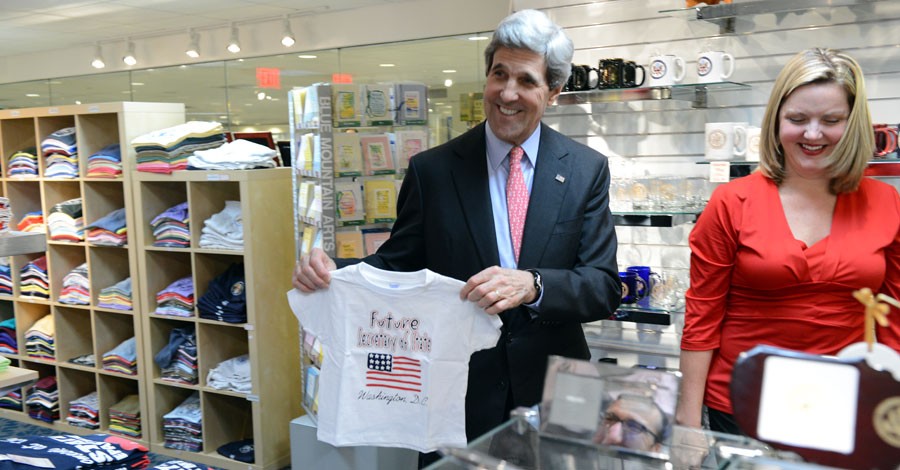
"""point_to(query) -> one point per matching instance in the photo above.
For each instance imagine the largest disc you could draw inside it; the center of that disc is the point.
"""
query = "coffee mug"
(885, 140)
(629, 286)
(725, 140)
(610, 71)
(628, 75)
(645, 281)
(579, 80)
(753, 137)
(711, 66)
(666, 70)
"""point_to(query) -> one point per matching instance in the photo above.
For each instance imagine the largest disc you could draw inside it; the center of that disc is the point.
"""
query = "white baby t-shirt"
(396, 363)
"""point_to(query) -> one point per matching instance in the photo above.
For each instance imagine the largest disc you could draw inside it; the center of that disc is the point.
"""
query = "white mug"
(711, 66)
(753, 136)
(725, 140)
(665, 70)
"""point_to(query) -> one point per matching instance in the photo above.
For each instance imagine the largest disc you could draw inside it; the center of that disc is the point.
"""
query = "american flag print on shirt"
(394, 372)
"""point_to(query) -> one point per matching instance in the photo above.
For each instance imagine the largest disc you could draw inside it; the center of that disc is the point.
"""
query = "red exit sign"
(268, 77)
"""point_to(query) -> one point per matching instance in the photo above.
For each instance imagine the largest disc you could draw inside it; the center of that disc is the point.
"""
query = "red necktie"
(516, 199)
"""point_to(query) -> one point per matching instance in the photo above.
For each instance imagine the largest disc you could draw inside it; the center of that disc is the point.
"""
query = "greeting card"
(347, 105)
(348, 160)
(349, 201)
(381, 201)
(409, 143)
(377, 156)
(378, 110)
(349, 244)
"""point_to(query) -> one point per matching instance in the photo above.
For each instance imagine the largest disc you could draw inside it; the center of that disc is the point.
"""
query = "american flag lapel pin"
(561, 178)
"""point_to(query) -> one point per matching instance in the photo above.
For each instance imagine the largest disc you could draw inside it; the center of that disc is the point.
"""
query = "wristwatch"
(538, 283)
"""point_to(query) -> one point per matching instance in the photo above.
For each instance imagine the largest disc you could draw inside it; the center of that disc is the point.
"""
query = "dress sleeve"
(713, 243)
(890, 335)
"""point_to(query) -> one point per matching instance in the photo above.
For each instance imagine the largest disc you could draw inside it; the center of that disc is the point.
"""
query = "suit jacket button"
(501, 385)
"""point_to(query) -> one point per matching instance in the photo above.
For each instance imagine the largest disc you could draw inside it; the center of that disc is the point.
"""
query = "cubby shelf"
(79, 329)
(270, 336)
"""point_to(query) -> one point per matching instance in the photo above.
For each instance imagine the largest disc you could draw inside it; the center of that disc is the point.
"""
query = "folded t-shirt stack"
(76, 288)
(60, 154)
(239, 154)
(6, 286)
(177, 299)
(84, 412)
(109, 230)
(32, 222)
(171, 227)
(125, 417)
(182, 427)
(5, 215)
(224, 229)
(8, 342)
(116, 296)
(231, 374)
(167, 150)
(24, 163)
(43, 400)
(122, 358)
(106, 162)
(12, 400)
(70, 451)
(34, 279)
(177, 360)
(225, 298)
(66, 221)
(39, 339)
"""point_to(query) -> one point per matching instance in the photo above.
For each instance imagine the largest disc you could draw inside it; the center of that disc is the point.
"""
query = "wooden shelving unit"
(79, 329)
(270, 336)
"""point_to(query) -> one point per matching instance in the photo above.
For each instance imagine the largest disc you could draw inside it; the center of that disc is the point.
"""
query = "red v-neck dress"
(753, 283)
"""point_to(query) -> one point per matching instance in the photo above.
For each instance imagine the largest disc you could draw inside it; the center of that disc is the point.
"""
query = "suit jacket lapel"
(547, 193)
(475, 199)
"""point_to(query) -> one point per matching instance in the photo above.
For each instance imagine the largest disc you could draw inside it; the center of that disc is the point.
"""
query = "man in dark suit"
(454, 218)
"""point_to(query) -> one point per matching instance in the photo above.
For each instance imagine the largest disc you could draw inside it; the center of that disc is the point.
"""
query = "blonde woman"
(776, 255)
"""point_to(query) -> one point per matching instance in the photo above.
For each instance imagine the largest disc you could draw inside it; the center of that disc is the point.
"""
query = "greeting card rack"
(350, 146)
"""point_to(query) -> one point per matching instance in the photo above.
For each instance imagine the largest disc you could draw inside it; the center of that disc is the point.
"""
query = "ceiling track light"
(233, 45)
(287, 36)
(193, 50)
(98, 63)
(129, 58)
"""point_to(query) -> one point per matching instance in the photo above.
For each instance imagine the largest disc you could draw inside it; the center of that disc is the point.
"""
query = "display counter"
(517, 444)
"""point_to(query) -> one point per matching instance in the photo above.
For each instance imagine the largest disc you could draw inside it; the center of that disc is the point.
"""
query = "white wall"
(666, 137)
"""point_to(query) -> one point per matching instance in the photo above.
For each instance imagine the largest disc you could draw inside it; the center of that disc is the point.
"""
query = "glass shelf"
(654, 218)
(639, 313)
(724, 14)
(694, 92)
(876, 167)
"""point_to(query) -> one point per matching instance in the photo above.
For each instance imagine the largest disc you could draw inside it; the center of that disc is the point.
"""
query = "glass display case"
(517, 444)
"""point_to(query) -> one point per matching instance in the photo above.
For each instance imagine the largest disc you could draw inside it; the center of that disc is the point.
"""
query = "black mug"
(629, 74)
(580, 78)
(610, 73)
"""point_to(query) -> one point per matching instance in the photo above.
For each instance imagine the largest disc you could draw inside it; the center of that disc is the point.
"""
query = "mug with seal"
(885, 140)
(628, 77)
(629, 282)
(754, 134)
(666, 70)
(711, 66)
(725, 140)
(610, 71)
(646, 279)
